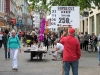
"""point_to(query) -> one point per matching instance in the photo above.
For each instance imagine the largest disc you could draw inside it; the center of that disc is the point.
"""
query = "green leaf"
(84, 4)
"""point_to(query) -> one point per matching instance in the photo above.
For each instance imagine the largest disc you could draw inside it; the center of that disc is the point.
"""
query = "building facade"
(91, 24)
(2, 14)
(12, 15)
(26, 20)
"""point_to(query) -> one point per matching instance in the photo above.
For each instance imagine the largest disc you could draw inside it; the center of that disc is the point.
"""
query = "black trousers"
(82, 45)
(46, 45)
(52, 43)
(0, 43)
(86, 45)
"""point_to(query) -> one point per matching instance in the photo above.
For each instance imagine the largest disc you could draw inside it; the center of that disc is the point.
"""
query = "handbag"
(28, 41)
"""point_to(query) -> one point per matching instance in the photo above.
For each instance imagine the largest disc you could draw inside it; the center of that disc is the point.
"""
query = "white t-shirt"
(60, 47)
(1, 36)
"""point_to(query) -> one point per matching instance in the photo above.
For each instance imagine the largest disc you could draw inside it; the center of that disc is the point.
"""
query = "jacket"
(81, 38)
(13, 43)
(71, 48)
(5, 39)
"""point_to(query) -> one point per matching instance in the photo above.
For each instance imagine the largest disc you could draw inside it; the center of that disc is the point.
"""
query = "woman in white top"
(1, 39)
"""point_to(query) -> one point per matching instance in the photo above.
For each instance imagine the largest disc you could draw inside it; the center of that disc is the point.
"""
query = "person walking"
(1, 35)
(13, 45)
(5, 40)
(86, 41)
(46, 41)
(52, 40)
(81, 36)
(95, 40)
(71, 53)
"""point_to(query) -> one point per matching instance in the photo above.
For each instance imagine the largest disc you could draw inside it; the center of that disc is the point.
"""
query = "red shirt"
(71, 48)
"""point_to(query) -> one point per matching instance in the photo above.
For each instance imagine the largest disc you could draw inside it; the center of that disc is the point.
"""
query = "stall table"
(35, 53)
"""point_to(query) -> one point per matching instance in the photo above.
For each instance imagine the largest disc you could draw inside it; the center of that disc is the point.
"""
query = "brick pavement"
(88, 65)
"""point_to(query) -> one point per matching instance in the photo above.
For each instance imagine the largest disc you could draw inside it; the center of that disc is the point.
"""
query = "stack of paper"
(42, 49)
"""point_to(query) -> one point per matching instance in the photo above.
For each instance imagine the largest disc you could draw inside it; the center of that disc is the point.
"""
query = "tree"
(84, 4)
(38, 5)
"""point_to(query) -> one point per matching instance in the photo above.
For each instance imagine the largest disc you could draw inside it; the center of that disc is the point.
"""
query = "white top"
(34, 47)
(60, 47)
(1, 36)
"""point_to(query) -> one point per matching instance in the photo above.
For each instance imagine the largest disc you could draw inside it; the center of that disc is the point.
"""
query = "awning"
(2, 23)
(4, 26)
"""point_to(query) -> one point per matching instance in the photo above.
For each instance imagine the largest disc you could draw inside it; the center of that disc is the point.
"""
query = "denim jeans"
(74, 66)
(6, 53)
(99, 53)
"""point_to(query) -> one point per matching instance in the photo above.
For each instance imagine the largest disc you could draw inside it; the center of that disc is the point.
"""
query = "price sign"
(65, 15)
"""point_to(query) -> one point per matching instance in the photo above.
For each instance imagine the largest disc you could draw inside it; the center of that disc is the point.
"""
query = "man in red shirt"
(71, 53)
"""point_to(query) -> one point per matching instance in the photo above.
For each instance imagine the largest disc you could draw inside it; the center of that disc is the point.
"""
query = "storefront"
(2, 24)
(98, 22)
(91, 23)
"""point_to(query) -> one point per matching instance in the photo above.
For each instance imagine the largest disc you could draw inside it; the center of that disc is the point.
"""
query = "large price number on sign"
(64, 20)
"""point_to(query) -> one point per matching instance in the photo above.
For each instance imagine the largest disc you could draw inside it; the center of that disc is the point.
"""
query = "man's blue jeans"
(74, 66)
(6, 53)
(99, 53)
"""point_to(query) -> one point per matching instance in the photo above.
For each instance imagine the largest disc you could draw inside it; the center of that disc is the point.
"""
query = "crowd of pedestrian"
(69, 45)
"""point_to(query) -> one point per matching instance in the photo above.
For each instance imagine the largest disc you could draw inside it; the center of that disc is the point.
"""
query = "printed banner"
(65, 15)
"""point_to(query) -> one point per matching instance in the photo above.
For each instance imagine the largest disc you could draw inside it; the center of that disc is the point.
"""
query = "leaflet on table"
(42, 49)
(28, 48)
(34, 48)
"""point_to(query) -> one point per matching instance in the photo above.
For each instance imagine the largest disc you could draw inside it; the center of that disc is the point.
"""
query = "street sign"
(36, 19)
(65, 15)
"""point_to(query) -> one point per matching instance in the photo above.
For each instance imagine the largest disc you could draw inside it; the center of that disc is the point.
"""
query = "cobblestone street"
(88, 65)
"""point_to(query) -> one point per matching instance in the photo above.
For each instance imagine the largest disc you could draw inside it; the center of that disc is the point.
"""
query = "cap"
(71, 30)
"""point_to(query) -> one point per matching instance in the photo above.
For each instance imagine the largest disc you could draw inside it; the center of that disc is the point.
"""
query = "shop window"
(87, 24)
(99, 22)
(2, 6)
(93, 24)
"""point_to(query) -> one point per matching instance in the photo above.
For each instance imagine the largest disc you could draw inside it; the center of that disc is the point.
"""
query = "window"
(99, 22)
(93, 24)
(0, 5)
